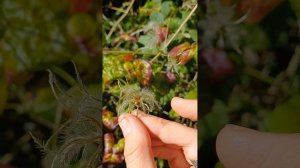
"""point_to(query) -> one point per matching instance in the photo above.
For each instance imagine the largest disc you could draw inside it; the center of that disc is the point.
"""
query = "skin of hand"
(148, 136)
(242, 147)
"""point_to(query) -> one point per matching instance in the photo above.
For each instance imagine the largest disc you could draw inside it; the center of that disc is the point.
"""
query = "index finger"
(185, 108)
(169, 132)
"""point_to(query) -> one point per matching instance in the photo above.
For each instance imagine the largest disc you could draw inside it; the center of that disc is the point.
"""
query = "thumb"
(137, 151)
(241, 147)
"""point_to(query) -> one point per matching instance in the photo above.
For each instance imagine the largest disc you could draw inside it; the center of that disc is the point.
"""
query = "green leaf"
(286, 117)
(157, 17)
(194, 34)
(149, 50)
(214, 121)
(184, 14)
(112, 68)
(2, 21)
(166, 8)
(40, 103)
(81, 26)
(3, 93)
(256, 38)
(219, 165)
(148, 40)
(192, 94)
(173, 23)
(160, 81)
(295, 5)
(81, 60)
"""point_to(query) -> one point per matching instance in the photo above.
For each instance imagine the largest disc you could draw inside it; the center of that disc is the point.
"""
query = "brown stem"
(120, 19)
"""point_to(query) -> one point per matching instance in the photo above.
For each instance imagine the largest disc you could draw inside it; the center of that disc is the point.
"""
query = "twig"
(258, 75)
(243, 18)
(294, 63)
(120, 19)
(181, 26)
(105, 52)
(120, 27)
(154, 58)
(177, 31)
(117, 9)
(60, 72)
(136, 32)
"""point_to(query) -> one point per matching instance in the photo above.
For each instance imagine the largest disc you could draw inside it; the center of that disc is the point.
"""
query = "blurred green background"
(36, 36)
(249, 69)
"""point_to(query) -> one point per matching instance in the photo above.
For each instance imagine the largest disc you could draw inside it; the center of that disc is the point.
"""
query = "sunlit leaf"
(286, 117)
(157, 17)
(166, 8)
(3, 93)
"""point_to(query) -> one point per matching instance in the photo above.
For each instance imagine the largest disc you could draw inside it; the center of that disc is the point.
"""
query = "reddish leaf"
(183, 52)
(119, 147)
(113, 153)
(109, 141)
(258, 9)
(129, 57)
(143, 71)
(80, 6)
(171, 77)
(117, 158)
(161, 33)
(177, 50)
(109, 120)
(188, 54)
(218, 63)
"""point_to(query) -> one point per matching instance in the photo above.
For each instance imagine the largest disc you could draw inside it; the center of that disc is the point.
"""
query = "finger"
(158, 143)
(185, 108)
(241, 147)
(137, 151)
(175, 157)
(168, 131)
(172, 133)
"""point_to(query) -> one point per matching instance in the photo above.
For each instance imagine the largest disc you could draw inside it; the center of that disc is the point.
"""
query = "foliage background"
(36, 36)
(249, 69)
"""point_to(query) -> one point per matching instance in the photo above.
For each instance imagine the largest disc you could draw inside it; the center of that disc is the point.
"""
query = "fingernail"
(237, 128)
(178, 98)
(230, 126)
(124, 124)
(234, 127)
(138, 113)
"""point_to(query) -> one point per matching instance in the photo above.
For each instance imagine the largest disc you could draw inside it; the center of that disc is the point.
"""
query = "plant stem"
(181, 26)
(116, 52)
(294, 63)
(154, 58)
(258, 75)
(58, 71)
(125, 52)
(117, 9)
(120, 19)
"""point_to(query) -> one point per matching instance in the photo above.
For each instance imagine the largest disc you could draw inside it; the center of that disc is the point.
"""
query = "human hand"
(242, 147)
(147, 136)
